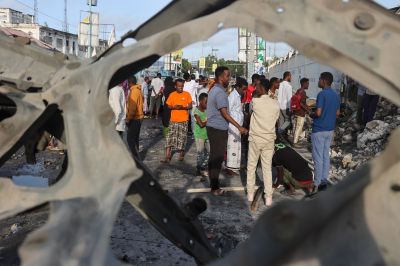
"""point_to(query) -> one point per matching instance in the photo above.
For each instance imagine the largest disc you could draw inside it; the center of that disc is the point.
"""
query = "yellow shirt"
(134, 104)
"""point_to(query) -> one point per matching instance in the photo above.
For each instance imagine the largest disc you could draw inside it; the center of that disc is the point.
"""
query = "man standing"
(265, 113)
(255, 80)
(145, 92)
(157, 86)
(117, 102)
(179, 102)
(299, 109)
(284, 95)
(134, 115)
(218, 120)
(360, 103)
(234, 149)
(370, 103)
(328, 108)
(190, 87)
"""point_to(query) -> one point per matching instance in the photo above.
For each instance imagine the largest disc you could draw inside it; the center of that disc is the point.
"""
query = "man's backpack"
(295, 101)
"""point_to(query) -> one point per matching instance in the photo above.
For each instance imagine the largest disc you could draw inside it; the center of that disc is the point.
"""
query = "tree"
(186, 65)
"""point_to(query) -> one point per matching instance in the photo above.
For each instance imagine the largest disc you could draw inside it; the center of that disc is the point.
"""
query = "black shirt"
(292, 161)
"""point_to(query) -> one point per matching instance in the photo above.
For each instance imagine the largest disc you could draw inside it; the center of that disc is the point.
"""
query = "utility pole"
(90, 3)
(65, 26)
(90, 29)
(35, 8)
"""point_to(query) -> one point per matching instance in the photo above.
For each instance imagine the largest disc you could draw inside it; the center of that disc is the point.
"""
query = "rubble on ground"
(354, 146)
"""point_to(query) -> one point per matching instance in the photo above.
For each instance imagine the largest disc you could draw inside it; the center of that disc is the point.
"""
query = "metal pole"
(90, 29)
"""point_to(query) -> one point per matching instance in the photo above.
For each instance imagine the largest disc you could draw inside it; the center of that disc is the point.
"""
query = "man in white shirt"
(234, 145)
(116, 99)
(284, 96)
(145, 91)
(190, 86)
(157, 86)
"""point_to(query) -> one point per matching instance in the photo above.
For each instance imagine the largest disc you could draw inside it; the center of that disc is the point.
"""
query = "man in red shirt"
(255, 80)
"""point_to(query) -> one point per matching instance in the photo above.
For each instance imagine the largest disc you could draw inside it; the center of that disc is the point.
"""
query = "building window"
(48, 40)
(73, 47)
(67, 43)
(59, 43)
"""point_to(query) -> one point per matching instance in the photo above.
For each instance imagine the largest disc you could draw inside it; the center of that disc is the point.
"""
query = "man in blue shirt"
(328, 108)
(218, 120)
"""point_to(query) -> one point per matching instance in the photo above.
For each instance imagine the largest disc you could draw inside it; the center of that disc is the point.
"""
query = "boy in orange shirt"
(179, 102)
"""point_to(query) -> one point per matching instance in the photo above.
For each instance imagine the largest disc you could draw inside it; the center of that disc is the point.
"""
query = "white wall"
(302, 67)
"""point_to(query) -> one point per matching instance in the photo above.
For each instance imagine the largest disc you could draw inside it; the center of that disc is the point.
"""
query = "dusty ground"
(227, 220)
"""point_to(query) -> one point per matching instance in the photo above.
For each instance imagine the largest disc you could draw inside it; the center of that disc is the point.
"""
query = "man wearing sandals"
(179, 102)
(218, 120)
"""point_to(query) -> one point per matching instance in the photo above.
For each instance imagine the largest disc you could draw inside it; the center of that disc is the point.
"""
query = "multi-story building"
(11, 16)
(64, 42)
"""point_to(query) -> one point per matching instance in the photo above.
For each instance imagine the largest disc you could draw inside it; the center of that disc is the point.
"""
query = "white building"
(302, 67)
(64, 42)
(11, 16)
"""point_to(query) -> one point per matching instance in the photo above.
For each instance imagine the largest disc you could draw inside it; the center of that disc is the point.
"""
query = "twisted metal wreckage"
(356, 222)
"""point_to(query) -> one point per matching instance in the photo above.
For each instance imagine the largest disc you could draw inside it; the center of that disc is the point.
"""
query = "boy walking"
(179, 102)
(200, 136)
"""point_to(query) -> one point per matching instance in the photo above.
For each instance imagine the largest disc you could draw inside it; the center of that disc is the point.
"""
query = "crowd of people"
(235, 125)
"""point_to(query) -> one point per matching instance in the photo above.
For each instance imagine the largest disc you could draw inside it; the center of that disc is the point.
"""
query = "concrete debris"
(15, 228)
(354, 146)
(347, 159)
(374, 130)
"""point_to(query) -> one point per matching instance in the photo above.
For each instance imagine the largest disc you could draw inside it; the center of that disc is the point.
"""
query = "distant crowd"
(235, 126)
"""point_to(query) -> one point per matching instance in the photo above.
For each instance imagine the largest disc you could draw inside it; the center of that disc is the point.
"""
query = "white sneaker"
(268, 201)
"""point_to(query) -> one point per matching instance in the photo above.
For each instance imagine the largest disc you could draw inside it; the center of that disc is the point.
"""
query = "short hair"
(262, 77)
(327, 76)
(193, 76)
(132, 79)
(241, 82)
(255, 77)
(219, 71)
(303, 80)
(146, 78)
(265, 84)
(186, 76)
(203, 96)
(158, 75)
(272, 81)
(286, 74)
(179, 80)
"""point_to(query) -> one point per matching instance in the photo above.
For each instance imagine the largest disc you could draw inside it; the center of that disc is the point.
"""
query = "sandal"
(218, 192)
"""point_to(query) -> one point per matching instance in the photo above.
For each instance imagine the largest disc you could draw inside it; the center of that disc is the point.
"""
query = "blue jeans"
(321, 143)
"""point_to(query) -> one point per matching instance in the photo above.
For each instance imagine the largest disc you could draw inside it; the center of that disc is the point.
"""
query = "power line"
(44, 14)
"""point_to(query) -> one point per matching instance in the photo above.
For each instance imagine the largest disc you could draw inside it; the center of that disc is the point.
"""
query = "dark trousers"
(133, 136)
(360, 107)
(218, 142)
(369, 105)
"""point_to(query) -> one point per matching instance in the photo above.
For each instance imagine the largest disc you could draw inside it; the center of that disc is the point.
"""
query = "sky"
(129, 14)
